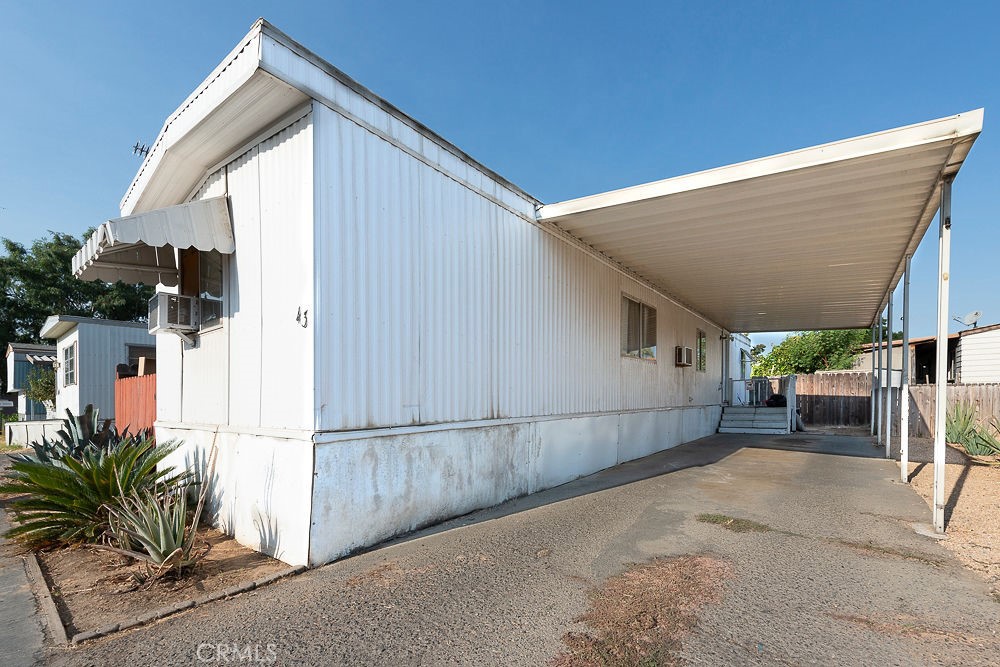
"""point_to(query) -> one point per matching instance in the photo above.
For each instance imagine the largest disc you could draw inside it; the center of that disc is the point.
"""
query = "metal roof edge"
(134, 192)
(52, 328)
(958, 127)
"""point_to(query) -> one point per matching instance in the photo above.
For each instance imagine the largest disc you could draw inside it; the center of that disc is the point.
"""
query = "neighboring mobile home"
(375, 332)
(88, 350)
(22, 358)
(977, 359)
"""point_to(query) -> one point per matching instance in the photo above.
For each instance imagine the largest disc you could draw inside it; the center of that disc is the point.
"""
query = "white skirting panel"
(261, 488)
(309, 503)
(372, 488)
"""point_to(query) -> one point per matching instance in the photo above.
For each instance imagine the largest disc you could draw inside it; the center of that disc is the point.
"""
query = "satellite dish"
(971, 319)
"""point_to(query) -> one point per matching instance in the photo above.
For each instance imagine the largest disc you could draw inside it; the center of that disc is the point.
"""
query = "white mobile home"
(376, 331)
(88, 351)
(977, 358)
(22, 358)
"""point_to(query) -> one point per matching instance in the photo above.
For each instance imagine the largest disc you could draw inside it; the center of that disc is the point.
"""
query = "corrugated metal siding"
(244, 321)
(204, 378)
(286, 242)
(256, 370)
(435, 304)
(979, 357)
(102, 348)
(21, 369)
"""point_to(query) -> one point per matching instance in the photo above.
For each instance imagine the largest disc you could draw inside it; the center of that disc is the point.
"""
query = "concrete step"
(753, 431)
(749, 409)
(751, 427)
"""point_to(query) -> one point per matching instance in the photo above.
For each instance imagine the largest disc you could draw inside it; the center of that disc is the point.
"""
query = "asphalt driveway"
(842, 577)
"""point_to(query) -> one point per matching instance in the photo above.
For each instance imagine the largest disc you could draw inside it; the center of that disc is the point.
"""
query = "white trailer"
(377, 332)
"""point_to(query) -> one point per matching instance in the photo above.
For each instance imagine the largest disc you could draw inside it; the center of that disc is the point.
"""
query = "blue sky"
(564, 99)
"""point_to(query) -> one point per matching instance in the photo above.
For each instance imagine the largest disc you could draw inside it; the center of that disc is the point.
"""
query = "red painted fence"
(135, 402)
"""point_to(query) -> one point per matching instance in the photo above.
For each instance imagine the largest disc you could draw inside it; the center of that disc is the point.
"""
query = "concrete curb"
(46, 605)
(170, 610)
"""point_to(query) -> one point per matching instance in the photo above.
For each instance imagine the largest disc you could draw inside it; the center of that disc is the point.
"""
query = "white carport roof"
(811, 239)
(140, 248)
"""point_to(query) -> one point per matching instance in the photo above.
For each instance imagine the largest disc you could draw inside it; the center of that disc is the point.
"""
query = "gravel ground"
(972, 514)
(839, 578)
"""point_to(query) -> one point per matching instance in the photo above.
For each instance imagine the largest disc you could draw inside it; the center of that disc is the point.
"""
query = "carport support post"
(888, 384)
(941, 366)
(874, 399)
(904, 388)
(878, 403)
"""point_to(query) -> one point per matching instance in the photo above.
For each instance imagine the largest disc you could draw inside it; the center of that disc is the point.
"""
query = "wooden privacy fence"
(844, 399)
(135, 402)
(835, 399)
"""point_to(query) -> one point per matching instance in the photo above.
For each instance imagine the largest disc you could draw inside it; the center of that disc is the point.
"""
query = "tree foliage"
(811, 351)
(42, 385)
(37, 281)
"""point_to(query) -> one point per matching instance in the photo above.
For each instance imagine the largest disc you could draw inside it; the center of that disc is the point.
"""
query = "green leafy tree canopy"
(42, 385)
(811, 351)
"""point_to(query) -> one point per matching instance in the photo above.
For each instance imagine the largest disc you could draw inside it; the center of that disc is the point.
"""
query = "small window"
(210, 288)
(69, 365)
(701, 351)
(638, 329)
(202, 276)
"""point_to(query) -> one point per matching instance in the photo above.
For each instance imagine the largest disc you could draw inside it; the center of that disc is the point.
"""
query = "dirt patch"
(641, 616)
(734, 524)
(972, 513)
(95, 588)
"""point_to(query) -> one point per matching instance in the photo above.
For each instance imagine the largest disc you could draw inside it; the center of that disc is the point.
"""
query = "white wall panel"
(286, 243)
(169, 362)
(244, 321)
(67, 397)
(434, 304)
(979, 357)
(205, 379)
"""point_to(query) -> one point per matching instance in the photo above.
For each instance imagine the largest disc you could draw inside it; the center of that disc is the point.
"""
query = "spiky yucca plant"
(79, 434)
(960, 422)
(152, 527)
(68, 503)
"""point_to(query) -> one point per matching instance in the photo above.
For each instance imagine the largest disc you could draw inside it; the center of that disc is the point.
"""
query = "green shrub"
(69, 501)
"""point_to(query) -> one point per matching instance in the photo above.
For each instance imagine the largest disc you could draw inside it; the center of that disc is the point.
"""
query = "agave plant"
(79, 434)
(152, 526)
(960, 422)
(68, 503)
(981, 443)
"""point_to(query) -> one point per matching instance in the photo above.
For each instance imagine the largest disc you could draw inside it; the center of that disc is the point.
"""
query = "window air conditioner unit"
(173, 313)
(683, 356)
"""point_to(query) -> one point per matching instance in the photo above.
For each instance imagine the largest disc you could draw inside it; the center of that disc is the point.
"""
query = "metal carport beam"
(941, 372)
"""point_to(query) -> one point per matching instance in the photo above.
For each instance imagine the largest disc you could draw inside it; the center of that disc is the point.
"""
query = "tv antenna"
(971, 319)
(140, 149)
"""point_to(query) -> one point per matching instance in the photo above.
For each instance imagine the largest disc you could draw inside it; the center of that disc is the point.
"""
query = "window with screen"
(701, 351)
(69, 365)
(638, 329)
